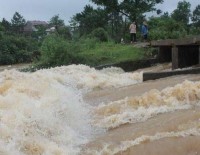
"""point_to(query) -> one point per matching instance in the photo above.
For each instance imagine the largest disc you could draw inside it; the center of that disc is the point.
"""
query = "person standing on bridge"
(144, 31)
(132, 29)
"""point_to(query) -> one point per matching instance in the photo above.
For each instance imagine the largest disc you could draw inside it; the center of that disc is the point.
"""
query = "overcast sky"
(45, 9)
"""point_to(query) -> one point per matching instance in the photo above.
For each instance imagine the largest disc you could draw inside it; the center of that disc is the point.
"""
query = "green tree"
(18, 22)
(1, 27)
(6, 25)
(196, 16)
(56, 51)
(165, 27)
(40, 33)
(89, 19)
(65, 32)
(100, 34)
(16, 49)
(165, 15)
(1, 30)
(132, 9)
(56, 21)
(182, 13)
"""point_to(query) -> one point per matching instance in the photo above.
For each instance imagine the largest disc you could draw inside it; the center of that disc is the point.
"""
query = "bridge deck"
(195, 40)
(182, 52)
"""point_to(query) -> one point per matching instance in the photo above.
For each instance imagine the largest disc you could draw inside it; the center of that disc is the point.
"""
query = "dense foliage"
(182, 13)
(196, 16)
(165, 27)
(102, 53)
(14, 46)
(94, 35)
(100, 34)
(132, 9)
(55, 50)
(115, 17)
(17, 49)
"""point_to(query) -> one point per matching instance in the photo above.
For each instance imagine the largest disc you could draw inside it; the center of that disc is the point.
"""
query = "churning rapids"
(45, 113)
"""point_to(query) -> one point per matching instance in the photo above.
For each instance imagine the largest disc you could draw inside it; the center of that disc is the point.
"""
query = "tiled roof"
(37, 22)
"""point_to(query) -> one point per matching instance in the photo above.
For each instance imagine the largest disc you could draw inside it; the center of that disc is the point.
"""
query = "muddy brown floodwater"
(164, 128)
(77, 110)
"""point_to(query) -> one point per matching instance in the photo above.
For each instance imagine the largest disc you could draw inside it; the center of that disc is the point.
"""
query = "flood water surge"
(45, 113)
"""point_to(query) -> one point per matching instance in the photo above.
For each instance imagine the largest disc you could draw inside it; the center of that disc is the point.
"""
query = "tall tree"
(18, 22)
(90, 19)
(6, 25)
(56, 21)
(134, 9)
(1, 30)
(196, 16)
(182, 13)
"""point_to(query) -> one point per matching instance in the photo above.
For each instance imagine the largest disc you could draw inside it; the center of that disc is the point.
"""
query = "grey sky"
(45, 9)
(170, 5)
(41, 9)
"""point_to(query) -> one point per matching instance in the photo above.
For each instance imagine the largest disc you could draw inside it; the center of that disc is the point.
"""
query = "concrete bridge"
(182, 52)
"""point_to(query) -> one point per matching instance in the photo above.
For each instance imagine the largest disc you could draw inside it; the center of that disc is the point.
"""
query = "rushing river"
(44, 113)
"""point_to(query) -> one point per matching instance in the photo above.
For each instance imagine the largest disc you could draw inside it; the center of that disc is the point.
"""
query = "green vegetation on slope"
(109, 52)
(56, 51)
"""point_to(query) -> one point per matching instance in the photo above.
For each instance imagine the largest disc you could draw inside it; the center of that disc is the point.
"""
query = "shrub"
(16, 49)
(100, 34)
(195, 30)
(88, 43)
(166, 28)
(56, 51)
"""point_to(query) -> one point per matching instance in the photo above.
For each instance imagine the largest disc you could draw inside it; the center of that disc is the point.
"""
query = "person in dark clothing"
(144, 31)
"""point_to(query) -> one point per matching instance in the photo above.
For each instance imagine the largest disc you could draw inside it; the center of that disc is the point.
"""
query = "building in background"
(33, 26)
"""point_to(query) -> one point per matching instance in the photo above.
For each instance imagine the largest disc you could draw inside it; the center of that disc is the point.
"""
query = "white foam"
(43, 112)
(38, 113)
(89, 78)
(150, 104)
(136, 115)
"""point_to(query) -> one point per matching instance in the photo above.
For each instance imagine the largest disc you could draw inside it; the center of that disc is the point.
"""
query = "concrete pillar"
(175, 63)
(199, 55)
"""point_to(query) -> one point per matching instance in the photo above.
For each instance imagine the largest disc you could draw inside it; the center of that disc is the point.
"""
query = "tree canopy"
(182, 13)
(90, 19)
(133, 9)
(18, 22)
(56, 21)
(196, 16)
